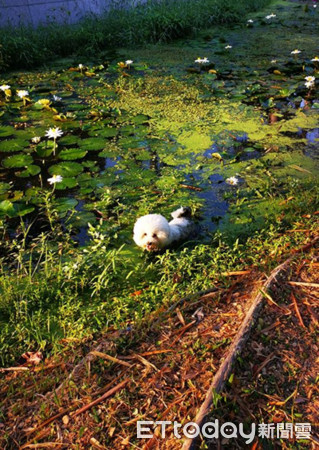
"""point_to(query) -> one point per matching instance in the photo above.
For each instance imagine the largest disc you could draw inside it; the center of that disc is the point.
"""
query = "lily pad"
(64, 204)
(107, 132)
(67, 183)
(45, 149)
(68, 140)
(72, 153)
(92, 143)
(9, 209)
(6, 208)
(30, 171)
(13, 145)
(21, 209)
(6, 131)
(20, 160)
(4, 187)
(66, 169)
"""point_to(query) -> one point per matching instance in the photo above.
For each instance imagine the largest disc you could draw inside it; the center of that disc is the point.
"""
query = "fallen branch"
(294, 301)
(14, 369)
(301, 283)
(235, 273)
(46, 445)
(224, 371)
(100, 399)
(110, 358)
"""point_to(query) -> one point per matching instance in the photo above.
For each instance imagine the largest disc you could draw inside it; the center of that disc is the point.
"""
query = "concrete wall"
(35, 12)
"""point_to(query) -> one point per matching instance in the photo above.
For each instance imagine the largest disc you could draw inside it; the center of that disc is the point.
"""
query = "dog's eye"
(144, 235)
(154, 235)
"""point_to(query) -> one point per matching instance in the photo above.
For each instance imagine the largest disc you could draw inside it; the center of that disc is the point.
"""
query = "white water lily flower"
(228, 46)
(81, 66)
(315, 59)
(54, 133)
(309, 84)
(250, 21)
(232, 180)
(36, 139)
(56, 98)
(22, 93)
(55, 179)
(270, 16)
(312, 79)
(5, 87)
(315, 6)
(129, 62)
(202, 60)
(295, 52)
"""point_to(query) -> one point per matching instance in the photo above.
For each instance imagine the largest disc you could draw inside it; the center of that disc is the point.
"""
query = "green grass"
(150, 23)
(52, 290)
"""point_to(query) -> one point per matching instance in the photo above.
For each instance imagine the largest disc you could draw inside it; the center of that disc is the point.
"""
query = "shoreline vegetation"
(149, 23)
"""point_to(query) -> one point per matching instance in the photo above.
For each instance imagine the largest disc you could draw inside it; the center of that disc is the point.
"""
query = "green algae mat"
(226, 123)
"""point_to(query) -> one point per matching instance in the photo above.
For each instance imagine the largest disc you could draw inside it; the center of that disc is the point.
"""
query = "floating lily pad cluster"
(82, 157)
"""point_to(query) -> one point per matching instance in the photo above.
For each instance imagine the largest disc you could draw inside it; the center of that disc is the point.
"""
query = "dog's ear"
(184, 211)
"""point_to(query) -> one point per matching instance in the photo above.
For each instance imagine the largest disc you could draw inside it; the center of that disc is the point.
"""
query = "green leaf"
(66, 169)
(64, 204)
(67, 183)
(30, 171)
(45, 149)
(13, 145)
(106, 132)
(4, 187)
(92, 143)
(72, 153)
(20, 160)
(6, 131)
(6, 208)
(68, 140)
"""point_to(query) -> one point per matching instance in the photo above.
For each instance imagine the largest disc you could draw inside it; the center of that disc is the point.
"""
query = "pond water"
(164, 131)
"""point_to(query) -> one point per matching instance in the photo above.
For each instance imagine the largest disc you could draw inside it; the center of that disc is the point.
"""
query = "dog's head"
(151, 232)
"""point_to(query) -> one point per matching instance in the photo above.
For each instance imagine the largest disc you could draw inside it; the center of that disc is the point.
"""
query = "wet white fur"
(153, 232)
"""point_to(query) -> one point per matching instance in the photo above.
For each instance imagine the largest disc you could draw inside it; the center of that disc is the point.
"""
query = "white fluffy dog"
(153, 232)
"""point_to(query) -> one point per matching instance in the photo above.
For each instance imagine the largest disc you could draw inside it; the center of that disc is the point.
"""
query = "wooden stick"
(46, 445)
(294, 301)
(301, 283)
(100, 399)
(224, 370)
(109, 358)
(235, 273)
(14, 369)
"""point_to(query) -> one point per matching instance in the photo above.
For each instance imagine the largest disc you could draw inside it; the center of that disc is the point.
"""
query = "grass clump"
(152, 22)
